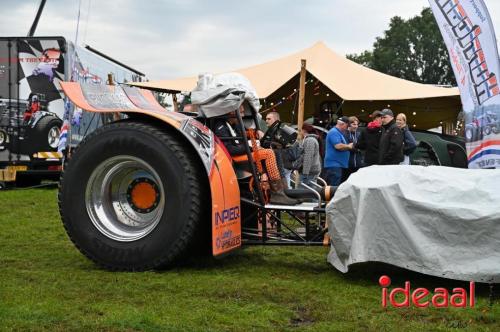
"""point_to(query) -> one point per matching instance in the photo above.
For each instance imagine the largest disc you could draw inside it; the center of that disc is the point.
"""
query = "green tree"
(411, 49)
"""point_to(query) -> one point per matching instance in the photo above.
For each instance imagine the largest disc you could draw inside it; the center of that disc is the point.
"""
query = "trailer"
(33, 107)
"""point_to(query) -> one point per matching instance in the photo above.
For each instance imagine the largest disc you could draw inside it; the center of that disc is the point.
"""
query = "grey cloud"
(173, 38)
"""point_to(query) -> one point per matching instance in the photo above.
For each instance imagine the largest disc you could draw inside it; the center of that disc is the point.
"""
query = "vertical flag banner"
(469, 36)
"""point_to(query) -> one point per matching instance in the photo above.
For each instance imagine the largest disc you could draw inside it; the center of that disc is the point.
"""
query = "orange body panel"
(226, 209)
(74, 92)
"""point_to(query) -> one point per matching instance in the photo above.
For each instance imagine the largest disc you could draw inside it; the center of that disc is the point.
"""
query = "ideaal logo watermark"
(422, 297)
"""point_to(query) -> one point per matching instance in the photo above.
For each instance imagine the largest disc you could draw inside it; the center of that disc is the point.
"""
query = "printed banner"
(469, 36)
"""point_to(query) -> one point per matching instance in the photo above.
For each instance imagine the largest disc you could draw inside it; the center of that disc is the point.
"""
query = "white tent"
(358, 87)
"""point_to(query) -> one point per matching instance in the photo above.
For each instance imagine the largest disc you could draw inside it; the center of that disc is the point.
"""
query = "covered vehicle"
(440, 221)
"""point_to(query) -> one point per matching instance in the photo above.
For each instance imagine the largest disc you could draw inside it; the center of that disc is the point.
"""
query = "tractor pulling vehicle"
(143, 192)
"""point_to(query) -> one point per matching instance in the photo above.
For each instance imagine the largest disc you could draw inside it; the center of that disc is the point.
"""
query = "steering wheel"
(271, 132)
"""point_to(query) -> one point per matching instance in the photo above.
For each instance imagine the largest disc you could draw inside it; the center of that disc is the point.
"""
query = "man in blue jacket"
(337, 152)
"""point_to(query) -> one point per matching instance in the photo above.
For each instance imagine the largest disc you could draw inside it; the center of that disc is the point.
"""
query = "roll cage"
(271, 224)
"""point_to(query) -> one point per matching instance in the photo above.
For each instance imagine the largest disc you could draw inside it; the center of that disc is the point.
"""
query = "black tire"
(39, 139)
(486, 131)
(181, 177)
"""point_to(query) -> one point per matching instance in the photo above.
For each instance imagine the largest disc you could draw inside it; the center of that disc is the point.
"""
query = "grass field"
(47, 285)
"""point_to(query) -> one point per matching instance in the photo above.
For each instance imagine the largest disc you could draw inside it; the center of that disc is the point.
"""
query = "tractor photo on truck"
(33, 107)
(27, 126)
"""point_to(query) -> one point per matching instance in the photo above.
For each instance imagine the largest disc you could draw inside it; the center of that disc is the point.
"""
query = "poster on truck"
(37, 121)
(33, 107)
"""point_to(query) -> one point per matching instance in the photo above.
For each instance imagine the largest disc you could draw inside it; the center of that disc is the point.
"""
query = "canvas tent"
(337, 83)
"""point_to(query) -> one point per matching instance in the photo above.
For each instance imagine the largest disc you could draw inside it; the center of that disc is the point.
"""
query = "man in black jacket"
(369, 140)
(391, 140)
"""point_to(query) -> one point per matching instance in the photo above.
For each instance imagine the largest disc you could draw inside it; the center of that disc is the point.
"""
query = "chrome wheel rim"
(115, 204)
(3, 137)
(468, 134)
(53, 137)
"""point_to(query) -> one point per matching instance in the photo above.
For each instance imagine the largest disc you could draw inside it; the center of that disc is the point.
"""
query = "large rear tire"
(133, 197)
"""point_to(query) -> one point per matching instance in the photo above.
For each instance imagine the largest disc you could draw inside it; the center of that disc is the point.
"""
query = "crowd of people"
(385, 141)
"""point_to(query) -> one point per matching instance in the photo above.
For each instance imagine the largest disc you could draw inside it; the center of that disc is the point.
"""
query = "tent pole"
(302, 93)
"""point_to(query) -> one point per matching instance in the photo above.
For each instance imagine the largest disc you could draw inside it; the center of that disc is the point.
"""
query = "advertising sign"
(469, 36)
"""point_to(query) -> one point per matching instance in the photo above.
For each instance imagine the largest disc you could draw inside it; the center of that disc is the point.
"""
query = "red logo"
(420, 297)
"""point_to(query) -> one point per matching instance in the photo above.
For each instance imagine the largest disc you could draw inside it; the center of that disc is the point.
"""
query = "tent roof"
(347, 79)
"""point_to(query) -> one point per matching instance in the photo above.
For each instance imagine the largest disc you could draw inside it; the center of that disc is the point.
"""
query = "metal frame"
(291, 225)
(303, 224)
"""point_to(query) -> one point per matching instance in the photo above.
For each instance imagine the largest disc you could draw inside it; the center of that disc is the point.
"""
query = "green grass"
(47, 285)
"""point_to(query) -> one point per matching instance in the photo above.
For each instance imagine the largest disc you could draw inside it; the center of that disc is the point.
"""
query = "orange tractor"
(142, 192)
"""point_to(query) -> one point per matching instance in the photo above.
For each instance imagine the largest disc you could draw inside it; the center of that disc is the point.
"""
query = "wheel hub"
(125, 198)
(53, 137)
(143, 195)
(3, 137)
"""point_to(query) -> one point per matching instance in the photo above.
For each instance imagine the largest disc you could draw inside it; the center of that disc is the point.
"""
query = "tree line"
(411, 49)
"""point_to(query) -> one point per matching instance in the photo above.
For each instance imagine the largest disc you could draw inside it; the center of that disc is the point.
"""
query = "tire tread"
(194, 172)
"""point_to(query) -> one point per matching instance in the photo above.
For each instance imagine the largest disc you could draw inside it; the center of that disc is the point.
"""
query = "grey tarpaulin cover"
(220, 94)
(440, 221)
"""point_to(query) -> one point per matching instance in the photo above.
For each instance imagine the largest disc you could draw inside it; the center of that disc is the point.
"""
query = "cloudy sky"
(176, 38)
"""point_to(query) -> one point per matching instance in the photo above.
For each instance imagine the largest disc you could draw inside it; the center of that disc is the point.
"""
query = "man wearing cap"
(391, 140)
(369, 139)
(337, 152)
